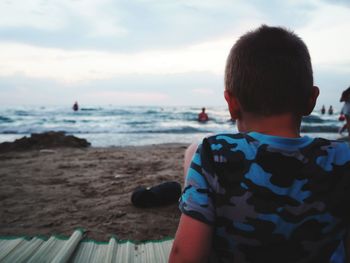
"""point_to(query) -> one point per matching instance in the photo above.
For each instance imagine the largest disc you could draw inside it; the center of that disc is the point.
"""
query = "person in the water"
(75, 106)
(203, 117)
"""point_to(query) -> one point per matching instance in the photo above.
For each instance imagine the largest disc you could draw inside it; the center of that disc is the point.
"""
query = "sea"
(105, 126)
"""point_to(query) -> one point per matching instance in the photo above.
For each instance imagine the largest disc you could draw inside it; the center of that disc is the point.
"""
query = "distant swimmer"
(330, 110)
(323, 110)
(203, 117)
(75, 106)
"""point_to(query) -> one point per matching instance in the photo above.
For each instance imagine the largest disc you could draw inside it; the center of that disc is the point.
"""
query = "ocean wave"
(312, 119)
(180, 130)
(152, 112)
(5, 119)
(186, 129)
(135, 120)
(121, 112)
(137, 123)
(91, 109)
(320, 119)
(22, 113)
(319, 129)
(69, 121)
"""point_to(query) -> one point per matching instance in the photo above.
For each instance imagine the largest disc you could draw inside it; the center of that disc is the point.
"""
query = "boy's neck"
(283, 125)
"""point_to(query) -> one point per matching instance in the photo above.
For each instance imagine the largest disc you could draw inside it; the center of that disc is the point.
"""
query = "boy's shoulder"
(233, 157)
(246, 141)
(229, 139)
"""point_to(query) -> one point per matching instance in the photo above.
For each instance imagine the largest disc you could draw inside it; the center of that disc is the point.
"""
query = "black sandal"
(163, 194)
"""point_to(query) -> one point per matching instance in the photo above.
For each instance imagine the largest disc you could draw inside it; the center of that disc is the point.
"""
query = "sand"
(56, 191)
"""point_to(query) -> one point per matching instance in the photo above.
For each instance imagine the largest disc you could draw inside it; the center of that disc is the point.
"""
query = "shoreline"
(107, 140)
(54, 191)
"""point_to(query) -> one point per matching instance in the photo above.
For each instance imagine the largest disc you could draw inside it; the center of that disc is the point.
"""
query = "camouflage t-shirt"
(270, 199)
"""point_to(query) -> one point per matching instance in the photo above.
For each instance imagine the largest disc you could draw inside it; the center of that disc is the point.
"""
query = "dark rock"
(44, 140)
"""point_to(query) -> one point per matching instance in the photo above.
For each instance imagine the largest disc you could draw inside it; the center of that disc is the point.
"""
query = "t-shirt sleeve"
(197, 198)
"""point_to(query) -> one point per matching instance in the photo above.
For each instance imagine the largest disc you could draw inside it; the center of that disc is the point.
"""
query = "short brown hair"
(269, 71)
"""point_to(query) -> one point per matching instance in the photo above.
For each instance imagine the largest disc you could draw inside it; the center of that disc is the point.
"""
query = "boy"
(265, 194)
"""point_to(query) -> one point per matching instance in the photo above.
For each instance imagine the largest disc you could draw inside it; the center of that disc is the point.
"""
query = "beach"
(54, 191)
(47, 190)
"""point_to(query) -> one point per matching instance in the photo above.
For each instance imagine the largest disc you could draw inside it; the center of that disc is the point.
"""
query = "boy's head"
(269, 72)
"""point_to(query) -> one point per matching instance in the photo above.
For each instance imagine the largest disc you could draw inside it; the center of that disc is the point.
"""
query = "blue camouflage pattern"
(270, 199)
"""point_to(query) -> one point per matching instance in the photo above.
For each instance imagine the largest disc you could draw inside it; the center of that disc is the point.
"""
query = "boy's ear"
(312, 101)
(233, 105)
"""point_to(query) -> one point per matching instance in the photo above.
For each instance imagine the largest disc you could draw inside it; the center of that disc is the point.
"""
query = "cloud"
(173, 89)
(139, 25)
(30, 14)
(203, 91)
(125, 97)
(338, 2)
(84, 66)
(56, 15)
(176, 48)
(121, 25)
(326, 36)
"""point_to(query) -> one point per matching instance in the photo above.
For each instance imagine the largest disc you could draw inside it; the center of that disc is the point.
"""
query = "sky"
(153, 52)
